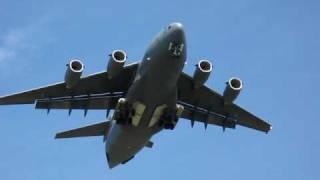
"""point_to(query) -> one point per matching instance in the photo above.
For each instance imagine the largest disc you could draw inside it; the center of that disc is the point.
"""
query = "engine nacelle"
(232, 90)
(73, 73)
(116, 63)
(202, 72)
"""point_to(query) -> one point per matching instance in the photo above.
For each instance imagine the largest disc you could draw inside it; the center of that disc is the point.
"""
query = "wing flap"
(85, 102)
(207, 117)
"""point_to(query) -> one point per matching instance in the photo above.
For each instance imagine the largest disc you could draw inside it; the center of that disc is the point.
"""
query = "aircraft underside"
(147, 97)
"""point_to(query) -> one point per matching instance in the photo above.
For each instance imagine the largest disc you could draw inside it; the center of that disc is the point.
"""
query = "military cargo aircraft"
(147, 97)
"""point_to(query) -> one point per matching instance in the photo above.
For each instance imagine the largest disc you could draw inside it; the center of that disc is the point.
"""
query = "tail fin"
(99, 129)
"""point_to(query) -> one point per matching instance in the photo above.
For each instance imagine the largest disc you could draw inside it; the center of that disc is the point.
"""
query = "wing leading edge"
(205, 105)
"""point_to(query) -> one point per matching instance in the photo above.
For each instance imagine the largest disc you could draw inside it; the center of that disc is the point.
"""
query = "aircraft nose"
(176, 25)
(177, 32)
(176, 37)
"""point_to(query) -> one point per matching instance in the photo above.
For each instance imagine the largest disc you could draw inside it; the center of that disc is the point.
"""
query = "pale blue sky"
(272, 45)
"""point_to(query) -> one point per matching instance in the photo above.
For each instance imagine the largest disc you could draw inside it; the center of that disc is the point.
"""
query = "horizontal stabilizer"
(99, 129)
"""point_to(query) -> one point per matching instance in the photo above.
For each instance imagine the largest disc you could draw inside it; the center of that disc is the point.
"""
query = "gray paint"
(156, 81)
(158, 72)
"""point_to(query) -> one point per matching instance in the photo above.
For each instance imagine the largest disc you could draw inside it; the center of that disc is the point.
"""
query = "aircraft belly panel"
(123, 142)
(156, 115)
(139, 110)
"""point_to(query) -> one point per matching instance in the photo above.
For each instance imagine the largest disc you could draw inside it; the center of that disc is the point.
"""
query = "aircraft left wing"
(93, 90)
(205, 105)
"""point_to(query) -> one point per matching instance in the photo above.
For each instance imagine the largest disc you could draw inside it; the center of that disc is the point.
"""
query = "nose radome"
(177, 25)
(177, 28)
(177, 32)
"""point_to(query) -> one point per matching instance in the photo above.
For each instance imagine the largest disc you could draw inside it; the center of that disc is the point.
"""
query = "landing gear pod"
(73, 73)
(170, 117)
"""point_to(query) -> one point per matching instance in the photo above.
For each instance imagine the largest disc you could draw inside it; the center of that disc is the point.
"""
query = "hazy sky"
(272, 45)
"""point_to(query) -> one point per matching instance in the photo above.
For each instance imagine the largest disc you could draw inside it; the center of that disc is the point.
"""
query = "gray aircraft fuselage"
(154, 85)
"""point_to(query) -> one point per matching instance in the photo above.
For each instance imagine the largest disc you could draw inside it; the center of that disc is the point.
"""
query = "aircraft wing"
(205, 105)
(95, 91)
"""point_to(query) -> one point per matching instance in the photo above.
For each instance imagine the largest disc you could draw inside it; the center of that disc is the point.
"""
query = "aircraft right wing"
(95, 91)
(205, 105)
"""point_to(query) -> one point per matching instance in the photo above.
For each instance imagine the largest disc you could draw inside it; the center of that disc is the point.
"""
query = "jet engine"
(202, 72)
(73, 73)
(116, 63)
(232, 90)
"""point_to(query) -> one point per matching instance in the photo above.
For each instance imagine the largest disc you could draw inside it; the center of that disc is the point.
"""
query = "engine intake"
(116, 63)
(202, 73)
(232, 90)
(73, 73)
